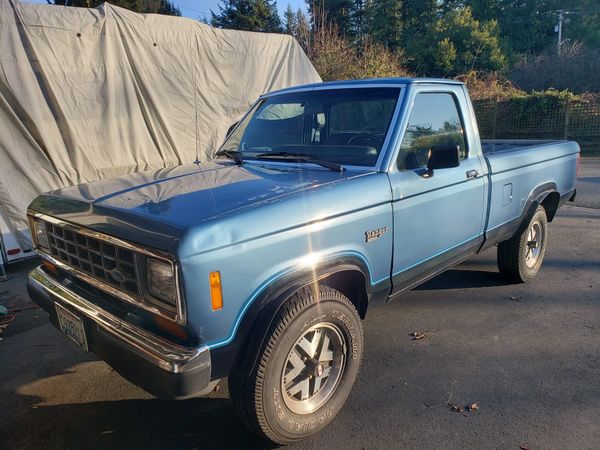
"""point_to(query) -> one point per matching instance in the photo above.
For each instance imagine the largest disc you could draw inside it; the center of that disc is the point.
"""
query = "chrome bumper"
(131, 340)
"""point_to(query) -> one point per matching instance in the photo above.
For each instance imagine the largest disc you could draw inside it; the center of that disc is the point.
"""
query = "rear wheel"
(520, 257)
(306, 368)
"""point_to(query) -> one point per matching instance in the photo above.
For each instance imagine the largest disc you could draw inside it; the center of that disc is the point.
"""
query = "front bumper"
(158, 366)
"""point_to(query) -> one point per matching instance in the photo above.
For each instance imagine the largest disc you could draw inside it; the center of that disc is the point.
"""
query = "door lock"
(472, 174)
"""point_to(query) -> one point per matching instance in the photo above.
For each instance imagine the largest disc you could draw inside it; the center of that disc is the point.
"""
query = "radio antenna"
(197, 161)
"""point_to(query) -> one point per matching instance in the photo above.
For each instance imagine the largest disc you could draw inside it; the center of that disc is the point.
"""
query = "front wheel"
(520, 257)
(306, 368)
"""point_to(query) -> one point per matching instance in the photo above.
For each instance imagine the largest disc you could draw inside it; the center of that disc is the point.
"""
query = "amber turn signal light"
(51, 267)
(216, 293)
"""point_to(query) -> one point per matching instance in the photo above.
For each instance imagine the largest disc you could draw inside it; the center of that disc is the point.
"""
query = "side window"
(434, 120)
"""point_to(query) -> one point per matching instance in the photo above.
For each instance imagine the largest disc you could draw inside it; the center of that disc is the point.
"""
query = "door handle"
(472, 174)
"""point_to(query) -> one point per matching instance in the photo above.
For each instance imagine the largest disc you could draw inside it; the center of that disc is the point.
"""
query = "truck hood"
(159, 206)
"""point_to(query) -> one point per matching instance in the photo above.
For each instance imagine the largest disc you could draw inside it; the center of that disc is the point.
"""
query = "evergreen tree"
(303, 28)
(296, 23)
(418, 16)
(247, 15)
(290, 21)
(165, 7)
(359, 20)
(384, 22)
(418, 21)
(460, 43)
(338, 12)
(526, 26)
(583, 22)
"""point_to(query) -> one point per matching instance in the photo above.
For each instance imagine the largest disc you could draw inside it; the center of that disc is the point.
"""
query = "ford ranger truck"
(259, 265)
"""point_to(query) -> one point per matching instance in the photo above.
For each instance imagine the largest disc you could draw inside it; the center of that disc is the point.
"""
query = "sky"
(197, 9)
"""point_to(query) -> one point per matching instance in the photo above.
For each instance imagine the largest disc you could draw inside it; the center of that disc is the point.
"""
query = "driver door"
(438, 220)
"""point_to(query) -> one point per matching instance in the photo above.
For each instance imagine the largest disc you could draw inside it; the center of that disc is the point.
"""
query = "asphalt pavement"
(528, 355)
(588, 183)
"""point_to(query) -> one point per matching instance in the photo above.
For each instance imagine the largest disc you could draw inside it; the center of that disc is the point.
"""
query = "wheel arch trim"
(516, 225)
(294, 278)
(537, 196)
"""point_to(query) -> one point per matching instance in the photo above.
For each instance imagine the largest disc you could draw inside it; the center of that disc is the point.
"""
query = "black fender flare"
(518, 225)
(252, 331)
(537, 196)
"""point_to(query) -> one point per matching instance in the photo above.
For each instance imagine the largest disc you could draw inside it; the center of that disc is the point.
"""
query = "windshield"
(343, 126)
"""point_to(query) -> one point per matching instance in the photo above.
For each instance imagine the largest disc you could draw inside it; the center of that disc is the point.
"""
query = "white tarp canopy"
(87, 94)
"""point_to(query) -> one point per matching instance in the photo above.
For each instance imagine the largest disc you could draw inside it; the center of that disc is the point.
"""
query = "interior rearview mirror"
(442, 157)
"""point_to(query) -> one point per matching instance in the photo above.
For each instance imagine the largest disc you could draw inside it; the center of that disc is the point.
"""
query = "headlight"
(161, 280)
(41, 238)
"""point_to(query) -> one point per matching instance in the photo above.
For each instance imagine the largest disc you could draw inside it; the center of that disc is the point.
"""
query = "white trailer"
(10, 250)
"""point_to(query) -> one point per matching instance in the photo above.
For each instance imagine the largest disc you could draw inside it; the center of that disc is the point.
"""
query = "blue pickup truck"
(324, 201)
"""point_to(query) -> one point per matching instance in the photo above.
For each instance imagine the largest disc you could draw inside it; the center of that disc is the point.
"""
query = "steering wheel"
(368, 138)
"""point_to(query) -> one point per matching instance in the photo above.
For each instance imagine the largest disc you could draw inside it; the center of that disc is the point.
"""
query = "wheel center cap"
(319, 370)
(314, 368)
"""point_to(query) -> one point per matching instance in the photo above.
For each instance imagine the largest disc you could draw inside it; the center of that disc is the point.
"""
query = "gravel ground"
(528, 355)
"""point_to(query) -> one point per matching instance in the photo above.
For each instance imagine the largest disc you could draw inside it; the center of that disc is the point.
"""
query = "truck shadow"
(205, 423)
(462, 279)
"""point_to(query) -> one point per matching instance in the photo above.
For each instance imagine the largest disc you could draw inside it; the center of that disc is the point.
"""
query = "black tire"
(260, 399)
(514, 255)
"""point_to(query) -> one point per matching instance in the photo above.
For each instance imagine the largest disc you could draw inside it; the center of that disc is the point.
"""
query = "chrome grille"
(107, 262)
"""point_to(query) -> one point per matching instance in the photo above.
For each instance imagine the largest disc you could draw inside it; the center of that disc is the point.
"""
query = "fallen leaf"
(524, 447)
(418, 335)
(463, 409)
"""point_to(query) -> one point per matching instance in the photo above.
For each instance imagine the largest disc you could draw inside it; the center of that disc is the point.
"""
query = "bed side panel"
(516, 174)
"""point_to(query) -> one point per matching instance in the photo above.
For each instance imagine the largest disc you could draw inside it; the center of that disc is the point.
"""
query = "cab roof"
(365, 82)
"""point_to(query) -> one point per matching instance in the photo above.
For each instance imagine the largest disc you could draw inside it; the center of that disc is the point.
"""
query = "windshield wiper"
(232, 154)
(302, 157)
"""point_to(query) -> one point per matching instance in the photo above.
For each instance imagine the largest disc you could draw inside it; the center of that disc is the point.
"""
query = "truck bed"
(517, 166)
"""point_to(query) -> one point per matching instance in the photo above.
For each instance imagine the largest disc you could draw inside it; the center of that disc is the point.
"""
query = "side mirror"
(230, 129)
(442, 157)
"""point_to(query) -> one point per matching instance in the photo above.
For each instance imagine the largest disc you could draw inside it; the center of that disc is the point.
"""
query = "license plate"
(72, 326)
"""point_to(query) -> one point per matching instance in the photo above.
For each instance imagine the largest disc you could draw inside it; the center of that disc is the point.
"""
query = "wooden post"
(495, 118)
(567, 107)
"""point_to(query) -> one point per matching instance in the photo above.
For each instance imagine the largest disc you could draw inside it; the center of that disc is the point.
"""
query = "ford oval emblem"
(117, 275)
